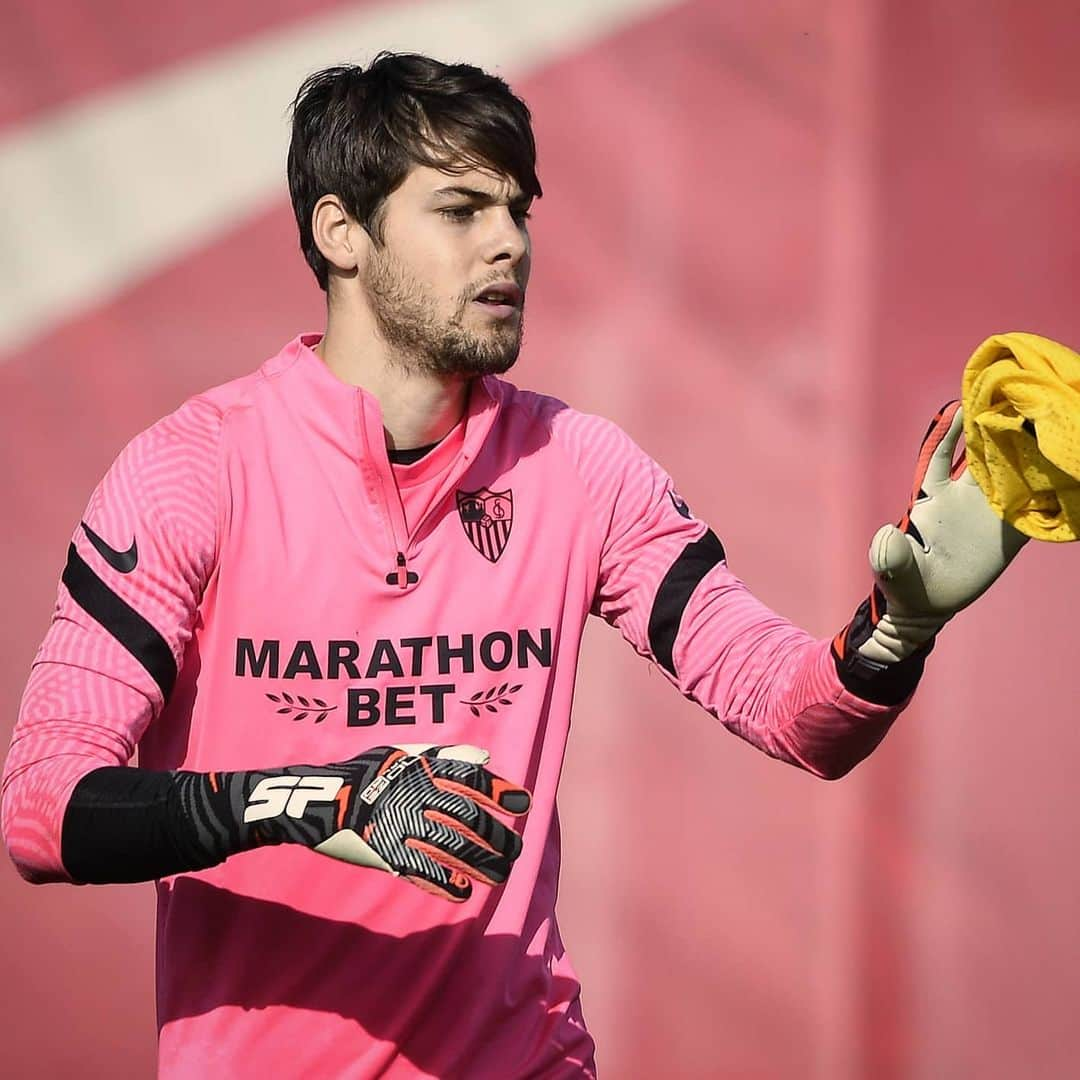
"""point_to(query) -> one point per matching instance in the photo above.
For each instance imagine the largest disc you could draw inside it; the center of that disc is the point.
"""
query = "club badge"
(487, 517)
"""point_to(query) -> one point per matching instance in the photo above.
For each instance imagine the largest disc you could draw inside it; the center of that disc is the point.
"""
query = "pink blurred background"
(771, 237)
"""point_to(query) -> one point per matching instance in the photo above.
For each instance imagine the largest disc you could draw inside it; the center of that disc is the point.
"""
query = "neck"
(418, 408)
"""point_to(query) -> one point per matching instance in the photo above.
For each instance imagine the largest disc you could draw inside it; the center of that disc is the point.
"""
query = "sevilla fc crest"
(487, 517)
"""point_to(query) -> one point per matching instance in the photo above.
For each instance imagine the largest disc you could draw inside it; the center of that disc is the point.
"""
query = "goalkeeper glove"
(422, 812)
(946, 551)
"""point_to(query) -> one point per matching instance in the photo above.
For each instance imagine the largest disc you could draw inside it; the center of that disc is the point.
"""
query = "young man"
(374, 552)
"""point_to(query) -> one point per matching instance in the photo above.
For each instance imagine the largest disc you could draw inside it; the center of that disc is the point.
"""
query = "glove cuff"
(123, 824)
(883, 677)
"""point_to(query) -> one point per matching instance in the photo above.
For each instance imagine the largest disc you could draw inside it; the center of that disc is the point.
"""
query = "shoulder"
(618, 479)
(172, 466)
(212, 407)
(167, 481)
(584, 437)
(192, 432)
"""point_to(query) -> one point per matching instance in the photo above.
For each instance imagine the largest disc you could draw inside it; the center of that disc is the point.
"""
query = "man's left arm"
(665, 584)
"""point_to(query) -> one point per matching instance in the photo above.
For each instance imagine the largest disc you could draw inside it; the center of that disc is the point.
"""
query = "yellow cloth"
(1031, 479)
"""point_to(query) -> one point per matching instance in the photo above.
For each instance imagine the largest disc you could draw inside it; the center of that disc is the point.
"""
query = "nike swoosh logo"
(124, 561)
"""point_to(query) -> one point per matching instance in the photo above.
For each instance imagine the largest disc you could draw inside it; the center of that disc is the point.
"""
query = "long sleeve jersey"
(252, 586)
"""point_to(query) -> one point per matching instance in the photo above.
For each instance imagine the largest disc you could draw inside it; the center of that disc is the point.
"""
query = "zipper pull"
(402, 577)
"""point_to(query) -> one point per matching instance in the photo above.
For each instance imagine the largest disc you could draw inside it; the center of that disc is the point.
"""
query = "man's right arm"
(71, 809)
(136, 569)
(424, 813)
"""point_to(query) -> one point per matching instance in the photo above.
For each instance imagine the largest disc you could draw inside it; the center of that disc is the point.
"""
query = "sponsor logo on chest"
(464, 675)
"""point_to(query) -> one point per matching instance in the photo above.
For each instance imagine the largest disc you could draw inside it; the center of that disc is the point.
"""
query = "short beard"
(408, 320)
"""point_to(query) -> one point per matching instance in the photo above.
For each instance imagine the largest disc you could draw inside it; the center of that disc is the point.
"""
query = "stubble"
(423, 342)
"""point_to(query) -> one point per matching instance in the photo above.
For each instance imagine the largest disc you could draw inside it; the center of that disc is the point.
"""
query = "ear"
(342, 241)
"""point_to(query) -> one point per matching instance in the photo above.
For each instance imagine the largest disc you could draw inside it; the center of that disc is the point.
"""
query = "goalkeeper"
(376, 553)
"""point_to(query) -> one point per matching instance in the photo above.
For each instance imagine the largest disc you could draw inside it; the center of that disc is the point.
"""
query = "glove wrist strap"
(896, 637)
(876, 664)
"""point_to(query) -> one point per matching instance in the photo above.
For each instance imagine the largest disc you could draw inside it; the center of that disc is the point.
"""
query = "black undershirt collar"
(409, 457)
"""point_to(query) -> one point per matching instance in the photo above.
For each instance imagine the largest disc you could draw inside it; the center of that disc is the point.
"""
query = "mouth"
(501, 300)
(497, 311)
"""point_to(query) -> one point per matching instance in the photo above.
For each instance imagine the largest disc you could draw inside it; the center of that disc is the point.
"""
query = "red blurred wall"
(772, 235)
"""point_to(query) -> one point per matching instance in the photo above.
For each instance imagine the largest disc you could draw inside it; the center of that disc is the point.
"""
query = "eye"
(521, 215)
(459, 214)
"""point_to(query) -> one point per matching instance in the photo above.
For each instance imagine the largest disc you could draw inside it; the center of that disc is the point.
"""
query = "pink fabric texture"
(316, 601)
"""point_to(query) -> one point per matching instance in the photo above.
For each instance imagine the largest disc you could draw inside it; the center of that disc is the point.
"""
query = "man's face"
(447, 237)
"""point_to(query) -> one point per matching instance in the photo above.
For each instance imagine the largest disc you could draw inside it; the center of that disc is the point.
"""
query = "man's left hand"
(947, 550)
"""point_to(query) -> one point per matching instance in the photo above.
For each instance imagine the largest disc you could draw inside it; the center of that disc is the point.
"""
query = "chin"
(478, 360)
(489, 365)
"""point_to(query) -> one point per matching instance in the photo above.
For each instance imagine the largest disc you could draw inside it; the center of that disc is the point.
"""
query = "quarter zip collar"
(348, 419)
(480, 412)
(329, 406)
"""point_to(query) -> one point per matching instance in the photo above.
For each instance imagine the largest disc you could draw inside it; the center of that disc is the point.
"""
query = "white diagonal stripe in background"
(102, 192)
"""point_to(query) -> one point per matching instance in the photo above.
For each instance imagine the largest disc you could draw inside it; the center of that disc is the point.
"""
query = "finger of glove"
(937, 451)
(447, 845)
(891, 553)
(439, 880)
(461, 811)
(960, 470)
(459, 751)
(1012, 539)
(477, 783)
(896, 568)
(429, 874)
(479, 827)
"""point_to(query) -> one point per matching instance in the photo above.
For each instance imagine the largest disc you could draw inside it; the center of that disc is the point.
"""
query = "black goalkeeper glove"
(422, 812)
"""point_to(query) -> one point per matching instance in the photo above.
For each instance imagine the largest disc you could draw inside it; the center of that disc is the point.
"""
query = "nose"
(508, 240)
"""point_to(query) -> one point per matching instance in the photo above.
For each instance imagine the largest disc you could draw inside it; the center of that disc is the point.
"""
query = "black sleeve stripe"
(121, 620)
(679, 583)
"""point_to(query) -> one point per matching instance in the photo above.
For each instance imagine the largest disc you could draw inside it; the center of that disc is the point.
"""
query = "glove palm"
(947, 550)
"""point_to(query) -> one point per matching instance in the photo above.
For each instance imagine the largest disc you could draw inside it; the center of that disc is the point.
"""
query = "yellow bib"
(1021, 398)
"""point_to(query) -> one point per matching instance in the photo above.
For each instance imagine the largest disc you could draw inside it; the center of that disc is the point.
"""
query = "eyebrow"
(484, 197)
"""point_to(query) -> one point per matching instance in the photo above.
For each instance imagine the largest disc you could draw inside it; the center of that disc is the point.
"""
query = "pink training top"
(285, 607)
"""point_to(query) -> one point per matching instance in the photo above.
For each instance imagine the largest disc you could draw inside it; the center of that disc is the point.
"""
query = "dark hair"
(357, 134)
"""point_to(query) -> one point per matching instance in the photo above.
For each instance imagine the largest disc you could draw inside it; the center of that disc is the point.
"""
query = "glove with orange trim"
(422, 812)
(946, 551)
